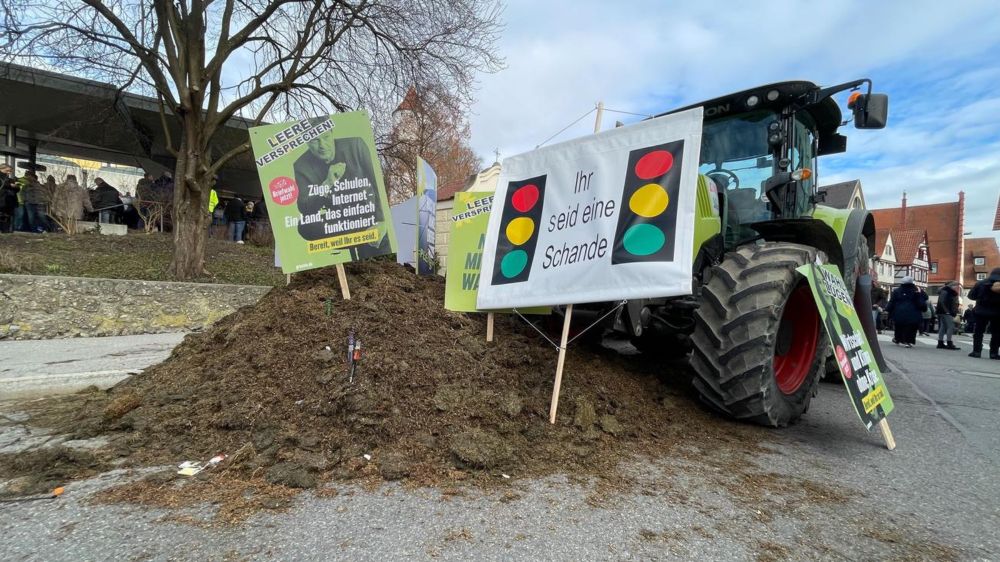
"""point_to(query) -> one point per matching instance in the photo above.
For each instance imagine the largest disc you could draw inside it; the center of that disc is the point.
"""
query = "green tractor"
(758, 348)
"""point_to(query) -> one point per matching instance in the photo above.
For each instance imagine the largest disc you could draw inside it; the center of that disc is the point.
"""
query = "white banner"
(601, 218)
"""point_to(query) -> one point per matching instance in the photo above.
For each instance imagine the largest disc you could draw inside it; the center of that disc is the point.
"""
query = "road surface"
(936, 497)
(43, 367)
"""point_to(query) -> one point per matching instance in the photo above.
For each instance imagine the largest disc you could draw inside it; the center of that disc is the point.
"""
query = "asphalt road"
(965, 391)
(936, 497)
(43, 367)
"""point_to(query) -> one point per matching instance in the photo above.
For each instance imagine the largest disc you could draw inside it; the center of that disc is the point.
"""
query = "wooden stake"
(489, 326)
(559, 364)
(890, 442)
(342, 277)
(288, 279)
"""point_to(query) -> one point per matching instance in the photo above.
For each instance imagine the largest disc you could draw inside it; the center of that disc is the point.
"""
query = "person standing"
(926, 316)
(8, 197)
(970, 318)
(108, 200)
(986, 293)
(947, 310)
(878, 304)
(34, 202)
(236, 216)
(906, 307)
(77, 198)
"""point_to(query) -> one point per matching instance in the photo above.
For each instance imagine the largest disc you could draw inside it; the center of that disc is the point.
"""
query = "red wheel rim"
(798, 336)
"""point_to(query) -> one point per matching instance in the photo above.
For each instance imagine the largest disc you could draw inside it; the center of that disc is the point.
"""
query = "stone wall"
(40, 307)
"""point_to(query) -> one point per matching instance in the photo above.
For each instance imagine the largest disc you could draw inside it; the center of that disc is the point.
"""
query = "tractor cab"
(759, 147)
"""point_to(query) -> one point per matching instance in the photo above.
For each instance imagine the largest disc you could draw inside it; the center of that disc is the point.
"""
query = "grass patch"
(135, 256)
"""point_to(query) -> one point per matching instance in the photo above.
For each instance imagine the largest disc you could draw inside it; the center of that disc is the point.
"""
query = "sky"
(939, 62)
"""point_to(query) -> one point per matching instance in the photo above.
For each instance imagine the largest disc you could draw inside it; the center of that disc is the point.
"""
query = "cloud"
(937, 60)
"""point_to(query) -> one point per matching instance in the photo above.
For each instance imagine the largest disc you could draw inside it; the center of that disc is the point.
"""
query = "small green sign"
(324, 190)
(469, 219)
(851, 349)
(465, 249)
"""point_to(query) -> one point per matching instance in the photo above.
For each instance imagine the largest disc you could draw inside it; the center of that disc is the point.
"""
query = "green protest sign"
(465, 249)
(466, 240)
(851, 349)
(324, 190)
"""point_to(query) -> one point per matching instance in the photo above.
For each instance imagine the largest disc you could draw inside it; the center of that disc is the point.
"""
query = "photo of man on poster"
(327, 161)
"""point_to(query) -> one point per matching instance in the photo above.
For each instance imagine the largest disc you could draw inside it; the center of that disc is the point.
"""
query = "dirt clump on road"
(41, 470)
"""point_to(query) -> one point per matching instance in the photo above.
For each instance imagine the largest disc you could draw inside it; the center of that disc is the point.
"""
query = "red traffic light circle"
(654, 164)
(525, 198)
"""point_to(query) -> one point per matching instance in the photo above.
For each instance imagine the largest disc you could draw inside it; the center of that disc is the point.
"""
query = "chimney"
(902, 219)
(960, 274)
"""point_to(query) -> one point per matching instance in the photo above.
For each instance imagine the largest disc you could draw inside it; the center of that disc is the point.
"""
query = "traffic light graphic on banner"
(647, 221)
(519, 225)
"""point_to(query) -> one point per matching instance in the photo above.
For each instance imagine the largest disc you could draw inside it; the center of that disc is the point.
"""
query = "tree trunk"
(191, 192)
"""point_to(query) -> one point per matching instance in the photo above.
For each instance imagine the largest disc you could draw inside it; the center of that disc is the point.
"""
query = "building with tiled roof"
(884, 263)
(981, 256)
(844, 195)
(996, 219)
(912, 255)
(944, 224)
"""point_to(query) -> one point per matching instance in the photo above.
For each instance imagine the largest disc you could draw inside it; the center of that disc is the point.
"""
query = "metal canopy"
(69, 116)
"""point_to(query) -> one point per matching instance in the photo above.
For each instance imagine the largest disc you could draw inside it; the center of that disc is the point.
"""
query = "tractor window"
(803, 152)
(735, 150)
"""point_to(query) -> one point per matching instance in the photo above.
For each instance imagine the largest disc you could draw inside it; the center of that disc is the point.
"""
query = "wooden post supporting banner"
(890, 442)
(288, 279)
(342, 277)
(489, 326)
(559, 364)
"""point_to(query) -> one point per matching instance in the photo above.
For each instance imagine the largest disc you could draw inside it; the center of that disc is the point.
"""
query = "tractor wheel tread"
(709, 330)
(781, 248)
(768, 266)
(714, 300)
(740, 259)
(736, 331)
(758, 342)
(764, 287)
(726, 277)
(766, 312)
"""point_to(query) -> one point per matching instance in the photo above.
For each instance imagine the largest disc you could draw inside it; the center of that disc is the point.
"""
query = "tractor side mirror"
(871, 111)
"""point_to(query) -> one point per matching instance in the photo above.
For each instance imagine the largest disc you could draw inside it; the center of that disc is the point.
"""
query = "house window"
(980, 276)
(979, 260)
(933, 267)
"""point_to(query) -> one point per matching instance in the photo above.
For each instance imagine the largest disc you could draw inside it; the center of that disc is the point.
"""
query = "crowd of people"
(239, 219)
(908, 312)
(28, 205)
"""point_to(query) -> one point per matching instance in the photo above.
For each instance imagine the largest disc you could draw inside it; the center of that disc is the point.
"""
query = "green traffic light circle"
(513, 263)
(643, 239)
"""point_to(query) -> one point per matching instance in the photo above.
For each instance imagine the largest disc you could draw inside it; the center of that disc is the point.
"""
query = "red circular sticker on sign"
(844, 362)
(284, 190)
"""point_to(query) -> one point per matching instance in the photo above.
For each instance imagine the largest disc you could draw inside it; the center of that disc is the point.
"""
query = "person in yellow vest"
(213, 200)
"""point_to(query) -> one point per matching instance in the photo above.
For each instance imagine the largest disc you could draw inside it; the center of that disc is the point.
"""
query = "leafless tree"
(207, 61)
(152, 214)
(430, 123)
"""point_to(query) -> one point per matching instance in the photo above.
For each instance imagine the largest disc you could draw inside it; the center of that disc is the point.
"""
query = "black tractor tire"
(759, 344)
(860, 267)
